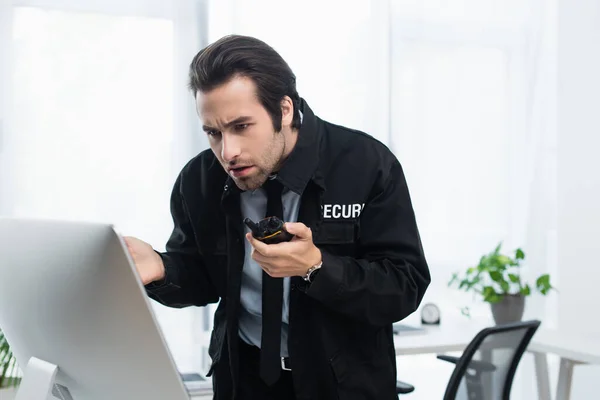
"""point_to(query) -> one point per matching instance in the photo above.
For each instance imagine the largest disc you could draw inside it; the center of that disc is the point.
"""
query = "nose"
(230, 147)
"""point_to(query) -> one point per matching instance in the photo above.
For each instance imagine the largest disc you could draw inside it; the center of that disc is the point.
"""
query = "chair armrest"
(403, 387)
(480, 366)
(450, 359)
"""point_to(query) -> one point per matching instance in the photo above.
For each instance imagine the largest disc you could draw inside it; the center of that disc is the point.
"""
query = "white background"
(490, 106)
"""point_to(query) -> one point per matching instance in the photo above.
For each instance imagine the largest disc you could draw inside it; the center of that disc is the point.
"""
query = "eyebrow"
(238, 120)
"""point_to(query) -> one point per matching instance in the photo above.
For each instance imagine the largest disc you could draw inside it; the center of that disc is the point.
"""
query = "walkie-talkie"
(269, 230)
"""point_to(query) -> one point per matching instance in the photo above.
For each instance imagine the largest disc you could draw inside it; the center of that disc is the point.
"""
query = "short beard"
(253, 183)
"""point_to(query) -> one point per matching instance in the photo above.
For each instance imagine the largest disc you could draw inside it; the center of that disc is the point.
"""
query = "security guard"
(307, 318)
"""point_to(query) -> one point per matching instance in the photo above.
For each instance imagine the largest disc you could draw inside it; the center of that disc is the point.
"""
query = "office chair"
(486, 369)
(403, 387)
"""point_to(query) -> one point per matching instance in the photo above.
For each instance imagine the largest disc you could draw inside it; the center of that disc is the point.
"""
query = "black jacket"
(355, 199)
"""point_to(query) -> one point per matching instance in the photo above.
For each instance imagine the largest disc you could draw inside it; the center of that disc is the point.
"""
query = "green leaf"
(453, 279)
(526, 290)
(496, 276)
(482, 267)
(492, 298)
(497, 249)
(519, 254)
(8, 364)
(505, 286)
(514, 278)
(543, 280)
(482, 263)
(543, 284)
(545, 291)
(466, 312)
(503, 260)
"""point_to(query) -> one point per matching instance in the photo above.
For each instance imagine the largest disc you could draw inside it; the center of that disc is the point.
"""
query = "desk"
(571, 349)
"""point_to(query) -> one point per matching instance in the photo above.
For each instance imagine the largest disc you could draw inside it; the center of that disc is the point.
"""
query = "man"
(354, 266)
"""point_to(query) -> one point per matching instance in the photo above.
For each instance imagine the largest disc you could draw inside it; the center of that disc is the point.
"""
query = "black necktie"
(272, 300)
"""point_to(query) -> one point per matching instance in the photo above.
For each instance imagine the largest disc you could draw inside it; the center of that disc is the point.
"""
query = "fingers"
(299, 230)
(271, 271)
(261, 252)
(286, 258)
(266, 264)
(266, 256)
(260, 258)
(130, 239)
(259, 246)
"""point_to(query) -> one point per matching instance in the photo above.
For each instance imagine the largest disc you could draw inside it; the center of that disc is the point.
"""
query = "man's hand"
(149, 265)
(293, 258)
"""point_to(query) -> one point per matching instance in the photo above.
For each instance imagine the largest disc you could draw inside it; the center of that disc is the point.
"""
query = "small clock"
(430, 314)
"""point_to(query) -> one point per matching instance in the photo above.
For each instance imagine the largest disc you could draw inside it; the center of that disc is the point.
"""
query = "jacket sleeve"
(387, 280)
(186, 280)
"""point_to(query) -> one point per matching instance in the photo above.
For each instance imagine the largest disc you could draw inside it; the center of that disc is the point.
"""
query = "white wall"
(579, 164)
(5, 44)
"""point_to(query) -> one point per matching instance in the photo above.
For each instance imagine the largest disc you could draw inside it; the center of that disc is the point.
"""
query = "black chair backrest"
(487, 367)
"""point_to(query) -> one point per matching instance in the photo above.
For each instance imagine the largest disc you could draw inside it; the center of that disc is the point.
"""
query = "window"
(100, 123)
(468, 94)
(472, 123)
(94, 114)
(450, 130)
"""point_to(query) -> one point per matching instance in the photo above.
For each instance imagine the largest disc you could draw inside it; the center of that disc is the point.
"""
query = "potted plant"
(497, 278)
(8, 369)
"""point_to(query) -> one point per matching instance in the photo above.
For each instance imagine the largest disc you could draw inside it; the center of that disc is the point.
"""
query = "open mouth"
(239, 172)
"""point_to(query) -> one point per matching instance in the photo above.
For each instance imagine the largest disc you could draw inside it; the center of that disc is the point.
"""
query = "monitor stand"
(38, 382)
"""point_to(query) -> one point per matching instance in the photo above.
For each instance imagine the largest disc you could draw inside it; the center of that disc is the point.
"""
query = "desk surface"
(436, 339)
(575, 347)
(455, 337)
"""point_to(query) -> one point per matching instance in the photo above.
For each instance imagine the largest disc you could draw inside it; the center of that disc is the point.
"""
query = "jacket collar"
(301, 165)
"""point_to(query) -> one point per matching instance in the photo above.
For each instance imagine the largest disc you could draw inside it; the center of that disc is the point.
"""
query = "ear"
(287, 112)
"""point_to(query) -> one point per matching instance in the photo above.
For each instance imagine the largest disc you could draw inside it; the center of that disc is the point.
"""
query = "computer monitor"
(77, 317)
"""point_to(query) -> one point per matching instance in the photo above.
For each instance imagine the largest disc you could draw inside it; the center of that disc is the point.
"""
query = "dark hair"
(236, 55)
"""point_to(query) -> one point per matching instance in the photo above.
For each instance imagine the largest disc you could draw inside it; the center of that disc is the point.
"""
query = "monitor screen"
(70, 297)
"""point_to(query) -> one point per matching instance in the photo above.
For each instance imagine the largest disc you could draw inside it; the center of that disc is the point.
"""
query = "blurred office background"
(490, 106)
